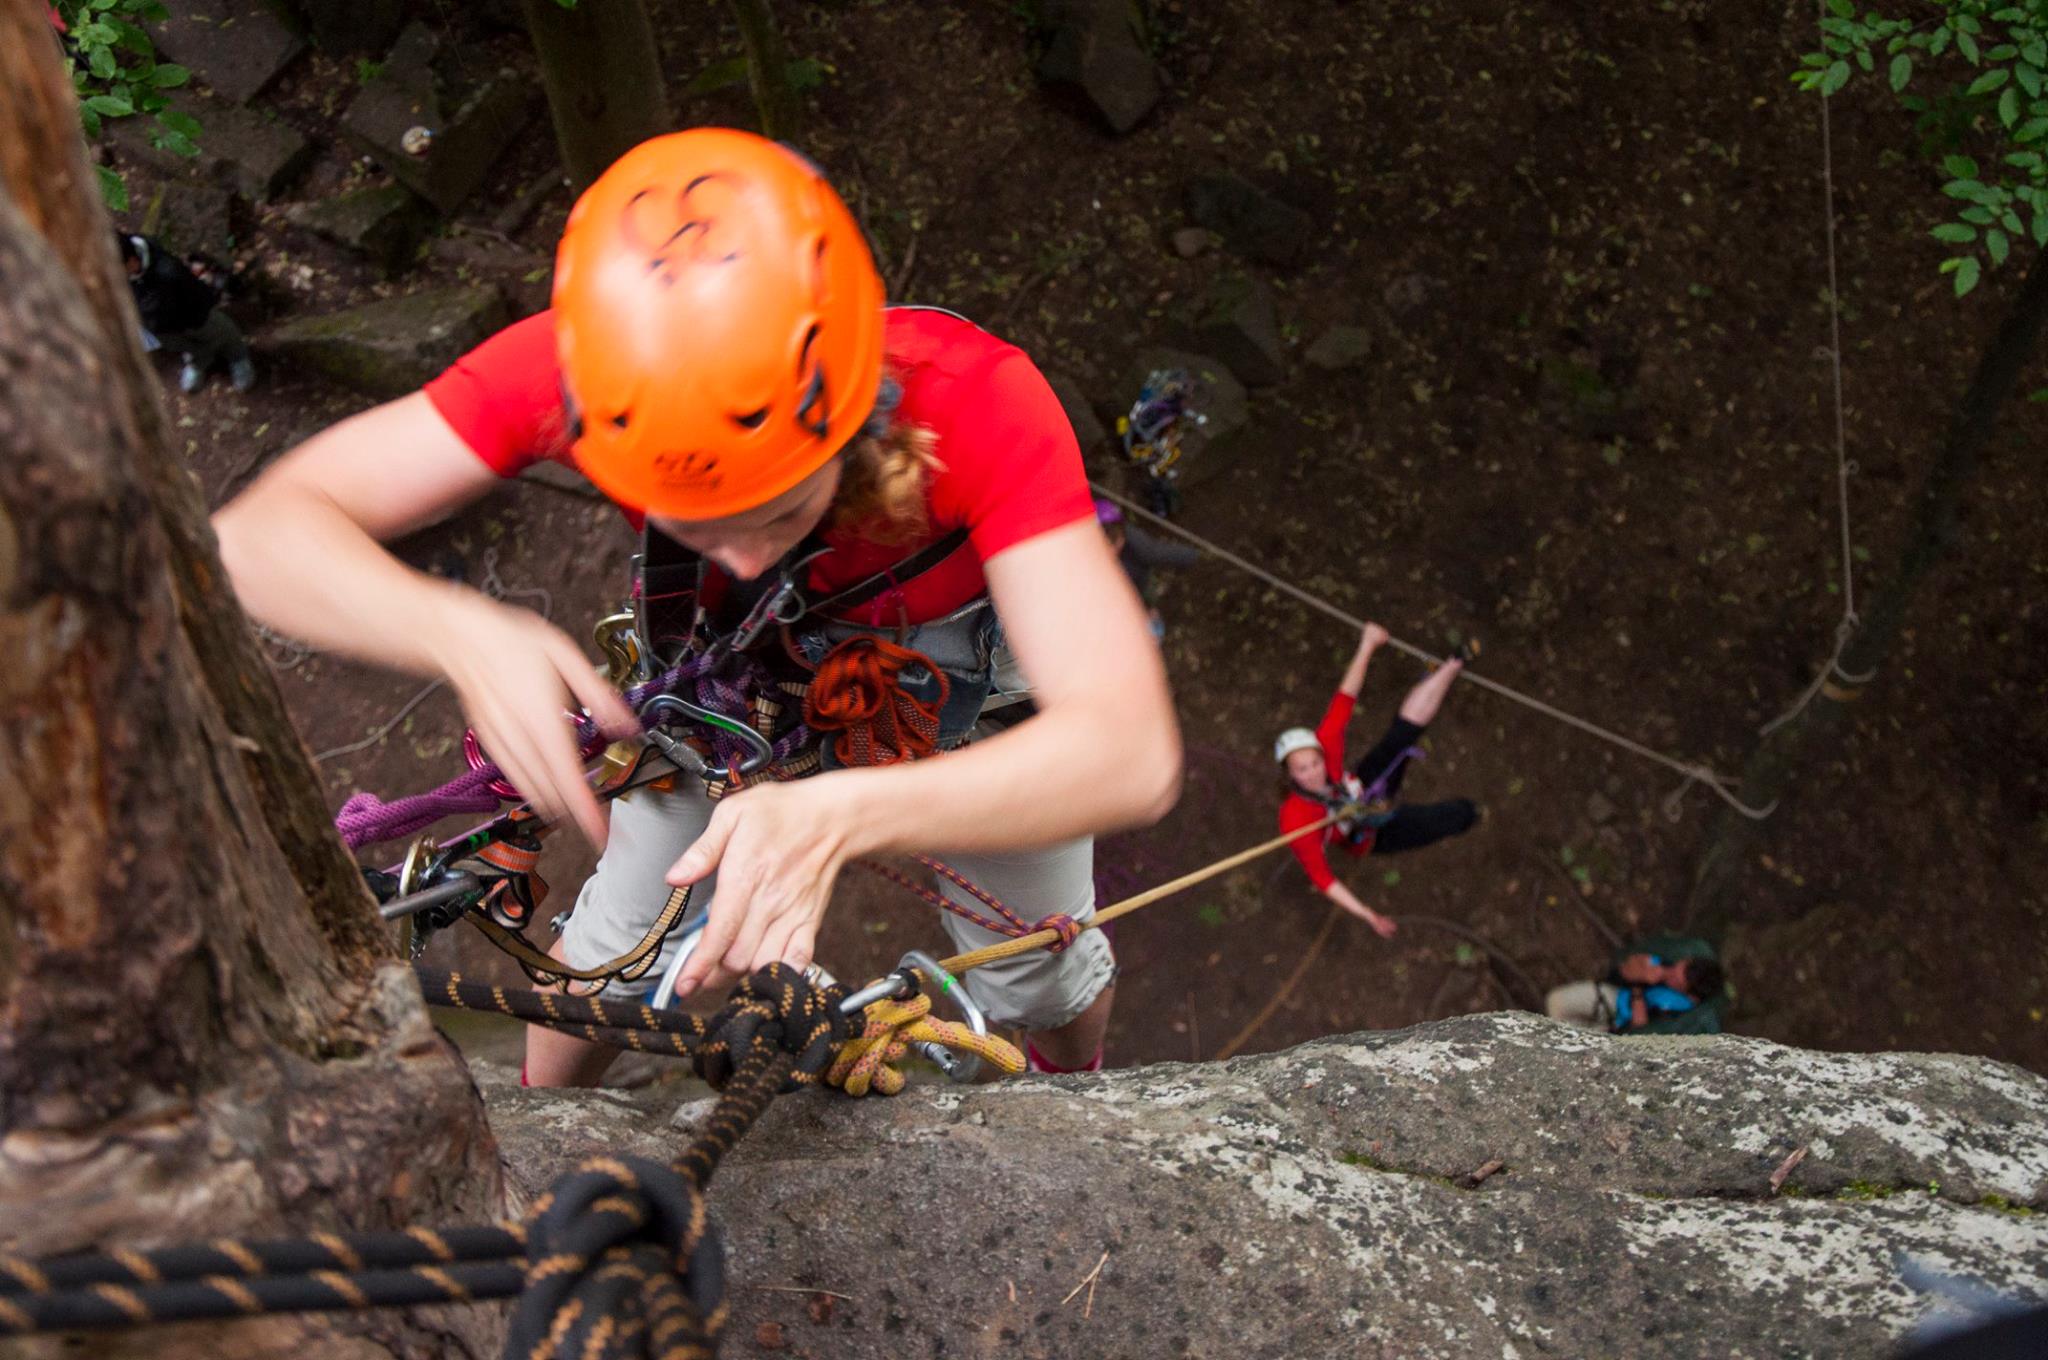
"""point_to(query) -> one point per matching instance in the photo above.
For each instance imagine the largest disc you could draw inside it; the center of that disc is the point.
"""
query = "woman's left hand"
(777, 850)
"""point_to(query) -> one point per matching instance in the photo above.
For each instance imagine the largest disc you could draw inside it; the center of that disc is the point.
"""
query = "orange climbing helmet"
(719, 324)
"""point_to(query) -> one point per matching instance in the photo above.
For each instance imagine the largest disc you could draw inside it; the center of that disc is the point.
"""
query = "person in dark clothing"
(181, 312)
(1140, 554)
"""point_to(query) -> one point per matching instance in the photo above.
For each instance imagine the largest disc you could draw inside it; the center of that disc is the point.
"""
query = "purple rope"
(366, 819)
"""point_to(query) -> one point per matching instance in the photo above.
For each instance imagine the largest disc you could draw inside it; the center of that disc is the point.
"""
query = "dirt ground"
(1510, 198)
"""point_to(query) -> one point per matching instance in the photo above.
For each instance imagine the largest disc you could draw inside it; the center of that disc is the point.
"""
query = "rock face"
(389, 348)
(1317, 1202)
(237, 46)
(382, 222)
(246, 150)
(468, 121)
(1251, 221)
(1235, 320)
(1098, 48)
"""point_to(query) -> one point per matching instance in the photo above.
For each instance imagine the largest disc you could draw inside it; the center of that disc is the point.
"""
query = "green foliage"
(1975, 75)
(115, 73)
(805, 74)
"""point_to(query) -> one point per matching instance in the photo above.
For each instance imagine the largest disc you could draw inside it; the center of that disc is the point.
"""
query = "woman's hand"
(1383, 926)
(777, 849)
(515, 673)
(1373, 638)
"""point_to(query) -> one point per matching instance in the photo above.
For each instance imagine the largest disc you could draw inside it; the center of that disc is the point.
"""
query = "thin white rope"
(1845, 468)
(1694, 773)
(492, 585)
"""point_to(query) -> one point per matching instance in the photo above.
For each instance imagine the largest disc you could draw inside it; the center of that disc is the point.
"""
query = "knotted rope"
(867, 1061)
(617, 1261)
(858, 695)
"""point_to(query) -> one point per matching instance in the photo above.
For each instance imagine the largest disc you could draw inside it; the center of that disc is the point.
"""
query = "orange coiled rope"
(857, 702)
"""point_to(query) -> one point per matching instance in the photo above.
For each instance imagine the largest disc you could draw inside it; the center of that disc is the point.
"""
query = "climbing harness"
(1720, 785)
(1152, 433)
(1360, 808)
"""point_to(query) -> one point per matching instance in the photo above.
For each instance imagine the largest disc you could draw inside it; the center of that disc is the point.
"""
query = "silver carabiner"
(960, 1067)
(760, 751)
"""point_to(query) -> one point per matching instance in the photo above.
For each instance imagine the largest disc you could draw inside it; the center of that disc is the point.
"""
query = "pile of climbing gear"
(1152, 434)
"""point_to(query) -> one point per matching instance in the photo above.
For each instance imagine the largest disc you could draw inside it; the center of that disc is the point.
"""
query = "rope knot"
(858, 695)
(622, 1259)
(868, 1061)
(1069, 930)
(776, 1008)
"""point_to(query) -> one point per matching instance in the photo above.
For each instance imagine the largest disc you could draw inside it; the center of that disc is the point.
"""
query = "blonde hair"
(882, 484)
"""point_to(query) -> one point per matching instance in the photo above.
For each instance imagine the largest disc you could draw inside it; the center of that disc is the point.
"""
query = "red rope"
(857, 695)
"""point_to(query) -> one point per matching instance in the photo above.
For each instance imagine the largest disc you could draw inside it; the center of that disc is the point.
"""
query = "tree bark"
(768, 69)
(1779, 758)
(602, 71)
(202, 1029)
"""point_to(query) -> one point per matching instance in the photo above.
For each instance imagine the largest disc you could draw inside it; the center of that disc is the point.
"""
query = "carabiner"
(760, 751)
(962, 1068)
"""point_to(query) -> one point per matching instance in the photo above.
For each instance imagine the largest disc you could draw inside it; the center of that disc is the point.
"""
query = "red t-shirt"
(1298, 812)
(1010, 468)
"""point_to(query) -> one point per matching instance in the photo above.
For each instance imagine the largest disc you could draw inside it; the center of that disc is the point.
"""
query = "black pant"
(1411, 826)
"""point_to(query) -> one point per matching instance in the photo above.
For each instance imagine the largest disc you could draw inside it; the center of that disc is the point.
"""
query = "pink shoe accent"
(1034, 1061)
(522, 1076)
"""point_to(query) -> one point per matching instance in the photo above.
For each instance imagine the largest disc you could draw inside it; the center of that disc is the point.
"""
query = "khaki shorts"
(1035, 991)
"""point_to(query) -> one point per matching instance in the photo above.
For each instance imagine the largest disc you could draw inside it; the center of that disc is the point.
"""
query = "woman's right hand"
(515, 673)
(1373, 638)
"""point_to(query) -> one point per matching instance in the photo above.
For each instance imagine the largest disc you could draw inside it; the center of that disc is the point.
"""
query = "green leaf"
(1902, 71)
(2031, 130)
(1967, 45)
(2029, 78)
(2038, 396)
(1837, 76)
(2009, 106)
(1989, 81)
(110, 106)
(1955, 233)
(1391, 877)
(112, 189)
(2011, 221)
(178, 144)
(717, 76)
(2034, 51)
(1966, 276)
(1959, 167)
(1997, 245)
(1843, 9)
(90, 121)
(2024, 160)
(101, 63)
(1865, 60)
(169, 76)
(2040, 231)
(179, 122)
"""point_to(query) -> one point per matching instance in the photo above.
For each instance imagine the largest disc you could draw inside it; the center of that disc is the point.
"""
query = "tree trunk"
(202, 1029)
(1781, 756)
(767, 69)
(602, 71)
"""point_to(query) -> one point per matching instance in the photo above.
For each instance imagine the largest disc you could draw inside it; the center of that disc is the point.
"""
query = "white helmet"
(1295, 739)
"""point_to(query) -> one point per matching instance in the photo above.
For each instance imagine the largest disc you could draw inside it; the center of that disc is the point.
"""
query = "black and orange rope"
(619, 1259)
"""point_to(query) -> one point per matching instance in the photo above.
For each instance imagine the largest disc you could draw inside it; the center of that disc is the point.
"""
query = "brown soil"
(1557, 196)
